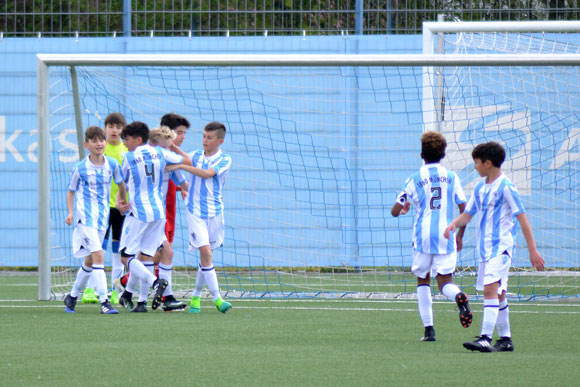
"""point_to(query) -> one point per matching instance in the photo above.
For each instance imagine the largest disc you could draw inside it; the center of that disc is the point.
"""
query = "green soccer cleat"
(114, 297)
(195, 305)
(222, 306)
(89, 297)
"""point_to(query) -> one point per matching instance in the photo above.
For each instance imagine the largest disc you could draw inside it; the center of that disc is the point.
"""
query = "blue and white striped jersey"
(434, 190)
(497, 204)
(205, 195)
(144, 170)
(176, 176)
(92, 187)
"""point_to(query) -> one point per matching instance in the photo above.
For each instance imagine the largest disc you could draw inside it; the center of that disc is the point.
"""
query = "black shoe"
(158, 287)
(504, 344)
(140, 308)
(465, 316)
(70, 303)
(170, 304)
(126, 302)
(429, 334)
(482, 344)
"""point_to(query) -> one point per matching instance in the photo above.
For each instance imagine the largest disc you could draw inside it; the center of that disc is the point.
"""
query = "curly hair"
(161, 136)
(433, 146)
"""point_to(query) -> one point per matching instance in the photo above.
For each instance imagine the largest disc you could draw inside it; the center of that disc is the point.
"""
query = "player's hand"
(122, 206)
(537, 260)
(449, 230)
(173, 167)
(69, 220)
(406, 208)
(184, 195)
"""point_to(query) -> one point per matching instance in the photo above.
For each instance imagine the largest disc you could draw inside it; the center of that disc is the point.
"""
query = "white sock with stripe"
(100, 282)
(165, 272)
(144, 283)
(83, 276)
(490, 312)
(503, 320)
(210, 277)
(199, 283)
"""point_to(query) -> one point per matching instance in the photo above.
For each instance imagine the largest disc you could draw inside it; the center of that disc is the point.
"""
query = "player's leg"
(195, 304)
(444, 266)
(166, 273)
(101, 282)
(504, 343)
(144, 284)
(421, 267)
(83, 250)
(117, 267)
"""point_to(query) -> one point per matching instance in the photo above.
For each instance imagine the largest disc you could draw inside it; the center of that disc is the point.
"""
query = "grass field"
(276, 343)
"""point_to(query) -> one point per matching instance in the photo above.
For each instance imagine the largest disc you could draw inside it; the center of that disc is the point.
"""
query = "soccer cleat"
(504, 344)
(107, 308)
(170, 304)
(482, 344)
(89, 296)
(125, 301)
(429, 334)
(140, 308)
(222, 306)
(465, 316)
(195, 305)
(158, 287)
(114, 297)
(69, 304)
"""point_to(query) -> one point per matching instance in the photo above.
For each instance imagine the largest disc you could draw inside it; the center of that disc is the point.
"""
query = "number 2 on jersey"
(435, 195)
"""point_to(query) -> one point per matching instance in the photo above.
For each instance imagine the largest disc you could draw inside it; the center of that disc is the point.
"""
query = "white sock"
(137, 269)
(91, 284)
(83, 276)
(503, 320)
(100, 282)
(425, 304)
(132, 284)
(199, 283)
(144, 284)
(450, 290)
(490, 312)
(212, 282)
(117, 269)
(165, 272)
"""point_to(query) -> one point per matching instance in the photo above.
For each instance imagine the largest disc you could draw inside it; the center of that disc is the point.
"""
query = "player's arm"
(203, 173)
(70, 200)
(184, 190)
(402, 205)
(186, 160)
(461, 230)
(460, 221)
(535, 257)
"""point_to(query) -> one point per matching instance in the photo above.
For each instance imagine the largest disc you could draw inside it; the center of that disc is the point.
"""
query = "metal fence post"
(358, 21)
(126, 17)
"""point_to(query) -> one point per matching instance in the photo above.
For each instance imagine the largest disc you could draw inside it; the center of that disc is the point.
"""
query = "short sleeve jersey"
(434, 191)
(144, 171)
(496, 205)
(205, 195)
(117, 152)
(176, 177)
(92, 186)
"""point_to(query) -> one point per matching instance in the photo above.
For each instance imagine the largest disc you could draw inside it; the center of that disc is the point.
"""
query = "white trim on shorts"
(433, 264)
(87, 240)
(205, 232)
(496, 269)
(144, 237)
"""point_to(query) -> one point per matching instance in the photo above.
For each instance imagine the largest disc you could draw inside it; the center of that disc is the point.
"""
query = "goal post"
(322, 145)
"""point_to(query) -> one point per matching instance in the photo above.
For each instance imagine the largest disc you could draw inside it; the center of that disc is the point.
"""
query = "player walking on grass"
(91, 179)
(205, 217)
(143, 228)
(498, 204)
(434, 190)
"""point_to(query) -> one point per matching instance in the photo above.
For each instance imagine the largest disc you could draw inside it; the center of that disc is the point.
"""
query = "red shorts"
(170, 211)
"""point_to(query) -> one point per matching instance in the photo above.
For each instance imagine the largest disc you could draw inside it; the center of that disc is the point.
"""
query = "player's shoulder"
(112, 161)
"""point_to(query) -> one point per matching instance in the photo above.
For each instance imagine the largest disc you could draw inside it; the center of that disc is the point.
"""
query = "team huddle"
(127, 184)
(434, 190)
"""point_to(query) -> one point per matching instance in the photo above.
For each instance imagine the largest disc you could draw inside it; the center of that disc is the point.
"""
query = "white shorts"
(138, 236)
(87, 240)
(497, 269)
(205, 232)
(433, 264)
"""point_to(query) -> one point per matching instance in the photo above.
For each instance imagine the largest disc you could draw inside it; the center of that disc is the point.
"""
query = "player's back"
(434, 191)
(144, 169)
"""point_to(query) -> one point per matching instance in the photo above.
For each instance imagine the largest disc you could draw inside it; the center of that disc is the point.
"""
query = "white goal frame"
(425, 60)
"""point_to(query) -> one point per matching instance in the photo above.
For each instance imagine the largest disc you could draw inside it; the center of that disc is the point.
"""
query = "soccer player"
(498, 204)
(91, 179)
(144, 168)
(205, 217)
(165, 137)
(434, 190)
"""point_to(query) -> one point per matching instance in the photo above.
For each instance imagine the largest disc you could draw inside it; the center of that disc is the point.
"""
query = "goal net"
(319, 153)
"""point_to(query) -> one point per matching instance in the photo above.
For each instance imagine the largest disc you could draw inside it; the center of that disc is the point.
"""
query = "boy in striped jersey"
(143, 228)
(434, 190)
(91, 179)
(205, 218)
(498, 204)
